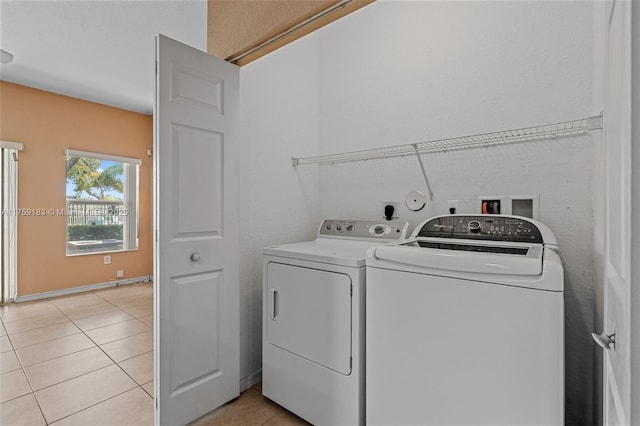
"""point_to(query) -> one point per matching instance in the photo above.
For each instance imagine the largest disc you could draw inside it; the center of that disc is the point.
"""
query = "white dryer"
(465, 325)
(314, 319)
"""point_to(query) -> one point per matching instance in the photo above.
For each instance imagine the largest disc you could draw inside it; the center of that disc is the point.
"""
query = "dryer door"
(309, 314)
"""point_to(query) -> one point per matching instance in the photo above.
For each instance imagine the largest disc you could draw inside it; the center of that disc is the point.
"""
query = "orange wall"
(47, 123)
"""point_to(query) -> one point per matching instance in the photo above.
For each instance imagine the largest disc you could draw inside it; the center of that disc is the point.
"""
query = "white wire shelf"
(484, 140)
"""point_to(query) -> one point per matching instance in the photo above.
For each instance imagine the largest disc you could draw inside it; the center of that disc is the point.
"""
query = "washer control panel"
(485, 227)
(369, 229)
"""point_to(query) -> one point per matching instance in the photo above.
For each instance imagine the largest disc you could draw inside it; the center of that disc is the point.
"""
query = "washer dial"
(379, 230)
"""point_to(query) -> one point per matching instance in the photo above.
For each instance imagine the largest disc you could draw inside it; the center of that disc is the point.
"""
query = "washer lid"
(325, 250)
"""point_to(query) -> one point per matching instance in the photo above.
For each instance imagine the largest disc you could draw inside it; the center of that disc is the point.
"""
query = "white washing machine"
(314, 319)
(465, 325)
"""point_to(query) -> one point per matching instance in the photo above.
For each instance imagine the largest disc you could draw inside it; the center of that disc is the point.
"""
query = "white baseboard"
(82, 289)
(250, 380)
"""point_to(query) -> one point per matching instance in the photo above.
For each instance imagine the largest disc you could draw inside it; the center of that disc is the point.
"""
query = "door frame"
(635, 212)
(620, 381)
(9, 221)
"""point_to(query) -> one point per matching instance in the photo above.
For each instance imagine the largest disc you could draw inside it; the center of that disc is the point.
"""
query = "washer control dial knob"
(474, 226)
(349, 228)
(379, 230)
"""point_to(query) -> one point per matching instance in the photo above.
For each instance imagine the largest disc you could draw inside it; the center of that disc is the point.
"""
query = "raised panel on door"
(186, 340)
(309, 314)
(198, 191)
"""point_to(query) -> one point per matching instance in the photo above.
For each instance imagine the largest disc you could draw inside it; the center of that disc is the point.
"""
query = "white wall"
(278, 204)
(400, 72)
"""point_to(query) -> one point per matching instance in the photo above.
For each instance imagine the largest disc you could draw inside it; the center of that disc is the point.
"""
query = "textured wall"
(400, 72)
(237, 26)
(278, 204)
(47, 124)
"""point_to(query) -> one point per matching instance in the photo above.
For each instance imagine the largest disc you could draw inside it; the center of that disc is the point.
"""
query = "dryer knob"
(474, 226)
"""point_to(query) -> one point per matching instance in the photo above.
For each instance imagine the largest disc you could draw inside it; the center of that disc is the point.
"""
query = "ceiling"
(101, 51)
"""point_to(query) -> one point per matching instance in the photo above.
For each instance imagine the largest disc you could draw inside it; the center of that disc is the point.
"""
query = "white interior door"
(196, 222)
(618, 266)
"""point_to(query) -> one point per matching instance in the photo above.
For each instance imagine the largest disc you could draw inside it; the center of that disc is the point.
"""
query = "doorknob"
(604, 340)
(195, 256)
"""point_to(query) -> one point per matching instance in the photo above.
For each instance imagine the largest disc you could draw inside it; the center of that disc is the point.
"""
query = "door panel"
(196, 252)
(203, 364)
(309, 314)
(198, 161)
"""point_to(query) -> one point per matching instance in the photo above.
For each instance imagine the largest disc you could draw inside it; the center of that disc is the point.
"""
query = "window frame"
(130, 240)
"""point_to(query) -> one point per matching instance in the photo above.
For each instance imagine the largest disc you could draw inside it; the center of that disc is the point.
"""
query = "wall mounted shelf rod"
(559, 130)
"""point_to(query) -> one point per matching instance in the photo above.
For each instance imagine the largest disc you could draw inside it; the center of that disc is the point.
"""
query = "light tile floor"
(251, 409)
(83, 359)
(87, 359)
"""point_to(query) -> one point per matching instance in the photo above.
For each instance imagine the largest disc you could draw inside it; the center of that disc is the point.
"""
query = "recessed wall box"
(491, 204)
(525, 205)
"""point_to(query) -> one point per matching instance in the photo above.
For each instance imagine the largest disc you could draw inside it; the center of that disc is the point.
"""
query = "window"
(102, 203)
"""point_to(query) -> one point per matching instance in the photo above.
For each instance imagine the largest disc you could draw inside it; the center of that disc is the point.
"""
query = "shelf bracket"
(424, 172)
(595, 122)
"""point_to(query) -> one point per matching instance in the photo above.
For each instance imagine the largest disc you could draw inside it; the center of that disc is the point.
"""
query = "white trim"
(250, 380)
(76, 153)
(11, 145)
(89, 253)
(82, 289)
(535, 204)
(9, 223)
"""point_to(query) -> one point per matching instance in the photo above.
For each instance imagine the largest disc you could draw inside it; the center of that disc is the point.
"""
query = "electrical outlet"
(394, 204)
(120, 273)
(452, 206)
(107, 260)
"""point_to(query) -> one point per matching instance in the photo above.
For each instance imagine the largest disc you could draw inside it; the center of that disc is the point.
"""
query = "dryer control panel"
(360, 229)
(482, 227)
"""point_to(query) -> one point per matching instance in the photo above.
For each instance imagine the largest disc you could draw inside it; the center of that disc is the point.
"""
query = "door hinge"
(350, 362)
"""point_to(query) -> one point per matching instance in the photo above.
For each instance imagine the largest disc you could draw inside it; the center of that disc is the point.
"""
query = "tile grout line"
(22, 367)
(26, 376)
(116, 363)
(106, 354)
(113, 360)
(90, 406)
(70, 353)
(46, 341)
